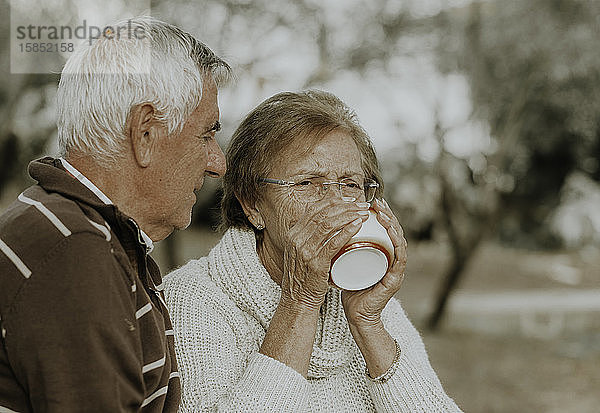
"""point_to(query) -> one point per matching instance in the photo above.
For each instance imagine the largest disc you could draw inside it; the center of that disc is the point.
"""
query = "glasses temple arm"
(275, 181)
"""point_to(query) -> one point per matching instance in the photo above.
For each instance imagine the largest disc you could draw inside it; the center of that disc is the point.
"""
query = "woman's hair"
(284, 120)
(140, 60)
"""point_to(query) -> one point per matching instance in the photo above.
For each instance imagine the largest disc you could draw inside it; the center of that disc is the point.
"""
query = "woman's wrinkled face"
(335, 157)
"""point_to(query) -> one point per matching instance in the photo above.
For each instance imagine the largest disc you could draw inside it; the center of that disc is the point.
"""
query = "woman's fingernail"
(363, 212)
(363, 204)
(385, 216)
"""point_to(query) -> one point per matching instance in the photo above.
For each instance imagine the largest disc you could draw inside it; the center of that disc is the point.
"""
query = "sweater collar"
(234, 265)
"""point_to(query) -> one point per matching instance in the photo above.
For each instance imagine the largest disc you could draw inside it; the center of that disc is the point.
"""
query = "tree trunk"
(462, 252)
(451, 278)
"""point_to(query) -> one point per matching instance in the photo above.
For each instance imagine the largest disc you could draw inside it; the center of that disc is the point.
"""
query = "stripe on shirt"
(173, 375)
(88, 184)
(154, 365)
(169, 333)
(157, 393)
(15, 259)
(103, 229)
(162, 300)
(47, 213)
(139, 313)
(7, 410)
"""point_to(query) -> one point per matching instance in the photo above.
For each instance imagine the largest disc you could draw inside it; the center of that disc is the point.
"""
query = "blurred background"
(485, 117)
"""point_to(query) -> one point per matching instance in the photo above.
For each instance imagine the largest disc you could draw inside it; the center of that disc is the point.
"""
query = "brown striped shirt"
(83, 320)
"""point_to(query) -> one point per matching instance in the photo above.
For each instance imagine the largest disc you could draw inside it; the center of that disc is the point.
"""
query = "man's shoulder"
(38, 226)
(37, 214)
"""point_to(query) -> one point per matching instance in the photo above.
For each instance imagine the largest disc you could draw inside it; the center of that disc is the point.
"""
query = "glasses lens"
(351, 189)
(307, 190)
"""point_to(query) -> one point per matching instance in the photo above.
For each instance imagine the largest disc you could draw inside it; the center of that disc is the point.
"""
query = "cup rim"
(355, 246)
(361, 244)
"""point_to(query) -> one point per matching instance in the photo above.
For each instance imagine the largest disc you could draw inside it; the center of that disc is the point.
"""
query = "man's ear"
(144, 130)
(252, 213)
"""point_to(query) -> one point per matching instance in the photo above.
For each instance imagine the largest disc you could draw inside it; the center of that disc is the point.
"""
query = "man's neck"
(94, 173)
(109, 179)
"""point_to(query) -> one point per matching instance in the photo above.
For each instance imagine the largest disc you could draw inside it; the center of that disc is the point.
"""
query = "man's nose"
(216, 165)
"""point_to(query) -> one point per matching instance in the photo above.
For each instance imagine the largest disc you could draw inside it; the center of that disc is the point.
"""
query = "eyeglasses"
(314, 189)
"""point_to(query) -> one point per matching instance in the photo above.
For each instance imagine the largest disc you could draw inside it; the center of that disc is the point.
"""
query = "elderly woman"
(258, 326)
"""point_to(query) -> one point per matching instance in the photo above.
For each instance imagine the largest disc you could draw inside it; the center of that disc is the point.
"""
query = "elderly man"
(84, 323)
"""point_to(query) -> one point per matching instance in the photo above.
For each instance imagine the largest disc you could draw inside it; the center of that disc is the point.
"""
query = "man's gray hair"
(140, 60)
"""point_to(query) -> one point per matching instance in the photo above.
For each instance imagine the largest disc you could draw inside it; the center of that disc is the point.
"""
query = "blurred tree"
(533, 71)
(26, 127)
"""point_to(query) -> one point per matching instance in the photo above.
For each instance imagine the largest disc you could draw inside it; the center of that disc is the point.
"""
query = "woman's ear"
(252, 213)
(144, 130)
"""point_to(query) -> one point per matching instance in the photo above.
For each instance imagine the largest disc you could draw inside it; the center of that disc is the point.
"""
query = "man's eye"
(305, 182)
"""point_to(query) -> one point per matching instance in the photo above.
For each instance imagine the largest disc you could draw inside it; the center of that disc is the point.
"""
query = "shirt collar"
(90, 185)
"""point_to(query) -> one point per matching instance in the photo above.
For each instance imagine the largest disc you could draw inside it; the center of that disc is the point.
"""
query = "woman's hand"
(363, 308)
(310, 245)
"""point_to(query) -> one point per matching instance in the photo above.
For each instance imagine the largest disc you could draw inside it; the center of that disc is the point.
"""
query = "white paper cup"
(365, 259)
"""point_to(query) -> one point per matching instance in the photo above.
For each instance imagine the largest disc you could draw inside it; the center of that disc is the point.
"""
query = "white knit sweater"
(221, 306)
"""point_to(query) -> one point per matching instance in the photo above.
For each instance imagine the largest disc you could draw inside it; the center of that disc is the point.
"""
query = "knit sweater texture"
(221, 307)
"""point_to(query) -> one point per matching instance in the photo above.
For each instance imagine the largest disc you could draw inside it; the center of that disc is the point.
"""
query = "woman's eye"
(306, 182)
(352, 185)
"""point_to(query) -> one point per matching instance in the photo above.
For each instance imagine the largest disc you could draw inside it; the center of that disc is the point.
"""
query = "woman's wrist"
(366, 325)
(366, 333)
(377, 346)
(290, 335)
(385, 376)
(299, 306)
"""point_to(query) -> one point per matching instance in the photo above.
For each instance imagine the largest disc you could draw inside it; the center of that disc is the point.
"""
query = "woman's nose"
(331, 188)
